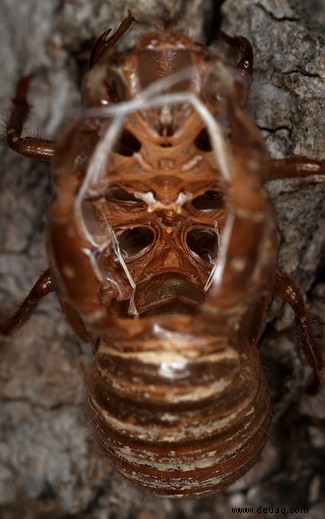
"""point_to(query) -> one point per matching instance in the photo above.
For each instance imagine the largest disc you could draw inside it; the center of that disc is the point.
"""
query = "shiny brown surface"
(177, 397)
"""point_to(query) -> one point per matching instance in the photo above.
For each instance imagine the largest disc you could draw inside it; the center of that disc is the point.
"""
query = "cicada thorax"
(162, 214)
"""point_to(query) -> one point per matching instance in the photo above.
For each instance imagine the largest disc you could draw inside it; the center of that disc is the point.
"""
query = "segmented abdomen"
(183, 415)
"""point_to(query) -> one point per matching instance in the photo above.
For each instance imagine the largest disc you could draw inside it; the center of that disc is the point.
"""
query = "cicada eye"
(211, 200)
(102, 86)
(203, 243)
(134, 241)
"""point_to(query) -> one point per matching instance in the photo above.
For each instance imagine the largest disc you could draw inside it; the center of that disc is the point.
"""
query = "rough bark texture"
(50, 466)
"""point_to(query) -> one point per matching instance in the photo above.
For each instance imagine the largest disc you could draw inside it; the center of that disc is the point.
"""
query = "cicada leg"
(245, 49)
(103, 43)
(287, 290)
(32, 147)
(42, 287)
(295, 167)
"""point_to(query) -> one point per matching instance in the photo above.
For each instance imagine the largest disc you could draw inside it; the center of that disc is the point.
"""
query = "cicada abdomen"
(177, 408)
(162, 247)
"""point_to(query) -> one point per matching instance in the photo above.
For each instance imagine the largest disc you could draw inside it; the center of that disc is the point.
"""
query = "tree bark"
(50, 465)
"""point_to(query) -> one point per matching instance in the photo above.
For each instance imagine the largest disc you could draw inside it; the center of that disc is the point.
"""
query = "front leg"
(295, 167)
(32, 147)
(287, 290)
(103, 43)
(245, 49)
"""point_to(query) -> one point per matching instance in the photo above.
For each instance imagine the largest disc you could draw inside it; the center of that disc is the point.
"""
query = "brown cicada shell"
(162, 250)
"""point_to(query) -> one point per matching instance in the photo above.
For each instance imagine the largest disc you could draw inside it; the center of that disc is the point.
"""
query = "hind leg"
(287, 290)
(42, 287)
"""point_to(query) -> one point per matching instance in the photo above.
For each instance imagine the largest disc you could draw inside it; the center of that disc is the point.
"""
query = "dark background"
(50, 466)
